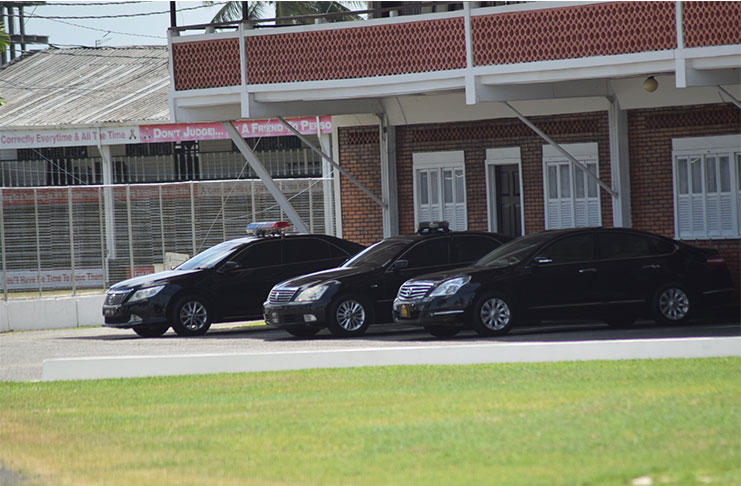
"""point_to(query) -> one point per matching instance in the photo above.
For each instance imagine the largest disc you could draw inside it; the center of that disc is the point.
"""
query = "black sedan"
(346, 300)
(611, 274)
(227, 282)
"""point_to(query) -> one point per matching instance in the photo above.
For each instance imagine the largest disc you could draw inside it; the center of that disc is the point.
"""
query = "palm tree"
(284, 10)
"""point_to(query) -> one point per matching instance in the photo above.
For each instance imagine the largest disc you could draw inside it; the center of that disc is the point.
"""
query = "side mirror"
(399, 265)
(542, 260)
(229, 266)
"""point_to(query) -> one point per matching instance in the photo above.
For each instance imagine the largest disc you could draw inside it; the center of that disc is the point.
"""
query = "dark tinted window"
(469, 248)
(336, 252)
(428, 253)
(614, 245)
(263, 254)
(304, 250)
(577, 248)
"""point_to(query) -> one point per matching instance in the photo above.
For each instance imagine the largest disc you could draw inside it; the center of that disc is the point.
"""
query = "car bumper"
(142, 313)
(295, 314)
(429, 313)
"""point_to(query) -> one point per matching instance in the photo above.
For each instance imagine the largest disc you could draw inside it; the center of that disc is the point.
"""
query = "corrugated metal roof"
(86, 86)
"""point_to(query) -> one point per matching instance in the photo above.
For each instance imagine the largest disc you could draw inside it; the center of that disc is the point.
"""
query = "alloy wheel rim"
(350, 315)
(193, 315)
(674, 304)
(495, 314)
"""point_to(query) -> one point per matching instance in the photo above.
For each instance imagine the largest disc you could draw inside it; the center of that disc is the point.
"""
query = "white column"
(390, 213)
(619, 164)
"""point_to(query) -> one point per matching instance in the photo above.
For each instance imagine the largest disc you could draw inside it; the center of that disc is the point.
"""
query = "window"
(469, 248)
(571, 249)
(262, 254)
(614, 245)
(440, 188)
(304, 250)
(572, 197)
(707, 187)
(428, 253)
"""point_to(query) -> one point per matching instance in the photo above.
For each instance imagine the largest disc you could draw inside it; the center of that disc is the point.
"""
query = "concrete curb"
(141, 366)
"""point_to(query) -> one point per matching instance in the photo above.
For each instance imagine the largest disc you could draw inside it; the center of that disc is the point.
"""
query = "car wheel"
(152, 331)
(443, 331)
(671, 304)
(191, 317)
(494, 315)
(349, 316)
(303, 332)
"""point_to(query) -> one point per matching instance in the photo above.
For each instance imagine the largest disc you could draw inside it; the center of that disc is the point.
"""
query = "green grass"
(577, 423)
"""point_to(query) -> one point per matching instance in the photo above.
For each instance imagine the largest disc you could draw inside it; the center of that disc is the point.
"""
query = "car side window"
(571, 249)
(305, 250)
(427, 253)
(469, 248)
(261, 254)
(337, 252)
(615, 245)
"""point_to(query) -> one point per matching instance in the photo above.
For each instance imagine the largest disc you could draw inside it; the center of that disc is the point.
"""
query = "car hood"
(153, 279)
(473, 271)
(338, 273)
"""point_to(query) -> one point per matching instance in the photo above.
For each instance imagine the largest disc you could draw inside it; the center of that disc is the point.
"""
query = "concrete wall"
(51, 313)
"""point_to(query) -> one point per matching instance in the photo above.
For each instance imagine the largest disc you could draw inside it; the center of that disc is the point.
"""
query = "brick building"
(513, 118)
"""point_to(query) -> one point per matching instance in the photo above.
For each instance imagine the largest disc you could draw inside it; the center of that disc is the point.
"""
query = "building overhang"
(654, 39)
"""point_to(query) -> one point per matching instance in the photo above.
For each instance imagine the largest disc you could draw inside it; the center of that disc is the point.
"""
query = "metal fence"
(66, 239)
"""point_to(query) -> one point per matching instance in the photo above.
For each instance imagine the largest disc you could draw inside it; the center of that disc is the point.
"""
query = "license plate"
(404, 311)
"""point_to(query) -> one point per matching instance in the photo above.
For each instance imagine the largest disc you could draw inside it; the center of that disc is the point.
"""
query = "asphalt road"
(22, 353)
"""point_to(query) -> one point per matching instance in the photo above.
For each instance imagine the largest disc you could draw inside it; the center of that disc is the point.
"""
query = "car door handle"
(651, 267)
(587, 270)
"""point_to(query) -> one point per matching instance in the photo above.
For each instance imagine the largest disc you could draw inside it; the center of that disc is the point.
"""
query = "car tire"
(349, 316)
(152, 331)
(672, 304)
(303, 332)
(494, 314)
(191, 316)
(443, 331)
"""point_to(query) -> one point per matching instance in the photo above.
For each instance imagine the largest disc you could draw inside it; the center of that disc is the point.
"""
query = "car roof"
(424, 236)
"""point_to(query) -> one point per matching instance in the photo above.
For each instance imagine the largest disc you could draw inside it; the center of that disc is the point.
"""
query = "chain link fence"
(68, 239)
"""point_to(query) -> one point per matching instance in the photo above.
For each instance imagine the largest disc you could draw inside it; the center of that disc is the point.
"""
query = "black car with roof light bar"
(346, 300)
(610, 274)
(227, 282)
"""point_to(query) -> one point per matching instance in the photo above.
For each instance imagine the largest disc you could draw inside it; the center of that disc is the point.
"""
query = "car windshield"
(377, 255)
(209, 258)
(513, 252)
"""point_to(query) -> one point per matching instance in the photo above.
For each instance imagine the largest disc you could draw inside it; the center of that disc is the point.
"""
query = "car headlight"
(310, 294)
(146, 293)
(450, 287)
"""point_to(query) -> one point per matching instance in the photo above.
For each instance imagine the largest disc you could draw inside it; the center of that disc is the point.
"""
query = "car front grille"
(280, 296)
(116, 297)
(415, 290)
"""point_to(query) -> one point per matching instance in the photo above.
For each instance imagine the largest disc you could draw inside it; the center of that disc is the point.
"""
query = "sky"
(148, 29)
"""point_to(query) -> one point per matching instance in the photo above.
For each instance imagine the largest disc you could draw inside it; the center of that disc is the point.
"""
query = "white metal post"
(619, 164)
(2, 245)
(327, 184)
(71, 240)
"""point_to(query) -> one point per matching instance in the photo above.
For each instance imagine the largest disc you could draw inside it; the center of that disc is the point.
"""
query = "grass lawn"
(577, 423)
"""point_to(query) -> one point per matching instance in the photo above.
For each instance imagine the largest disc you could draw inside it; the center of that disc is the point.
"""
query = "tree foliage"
(284, 10)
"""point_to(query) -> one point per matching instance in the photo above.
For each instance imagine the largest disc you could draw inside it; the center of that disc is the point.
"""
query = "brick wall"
(360, 155)
(651, 132)
(475, 137)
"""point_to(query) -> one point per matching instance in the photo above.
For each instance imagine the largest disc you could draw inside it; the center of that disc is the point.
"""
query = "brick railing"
(417, 46)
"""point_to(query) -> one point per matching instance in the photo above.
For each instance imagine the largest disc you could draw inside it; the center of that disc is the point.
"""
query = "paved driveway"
(23, 353)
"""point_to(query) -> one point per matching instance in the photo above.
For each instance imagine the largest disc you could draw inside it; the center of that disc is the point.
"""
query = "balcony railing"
(413, 44)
